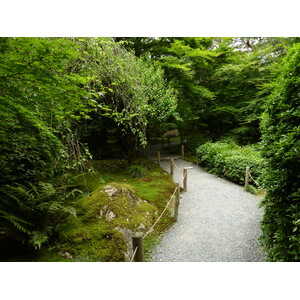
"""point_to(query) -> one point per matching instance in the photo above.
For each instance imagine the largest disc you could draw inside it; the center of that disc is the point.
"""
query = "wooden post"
(137, 242)
(158, 158)
(177, 195)
(185, 179)
(182, 151)
(247, 176)
(171, 166)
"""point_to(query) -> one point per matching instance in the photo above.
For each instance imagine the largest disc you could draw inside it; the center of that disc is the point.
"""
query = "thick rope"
(134, 254)
(255, 181)
(151, 228)
(177, 167)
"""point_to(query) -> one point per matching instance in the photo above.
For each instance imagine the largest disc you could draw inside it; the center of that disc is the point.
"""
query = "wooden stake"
(158, 158)
(171, 166)
(137, 242)
(185, 179)
(182, 151)
(247, 176)
(176, 206)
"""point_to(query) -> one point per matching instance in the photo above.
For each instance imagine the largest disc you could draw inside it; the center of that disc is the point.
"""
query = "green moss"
(91, 236)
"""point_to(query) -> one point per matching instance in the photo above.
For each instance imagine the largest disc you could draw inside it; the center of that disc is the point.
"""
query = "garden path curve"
(217, 222)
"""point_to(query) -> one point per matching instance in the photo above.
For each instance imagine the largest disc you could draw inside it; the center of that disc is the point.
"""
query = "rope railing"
(134, 253)
(248, 176)
(177, 167)
(151, 228)
(138, 240)
(254, 180)
(157, 220)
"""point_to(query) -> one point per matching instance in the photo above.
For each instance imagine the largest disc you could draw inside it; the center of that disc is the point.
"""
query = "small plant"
(136, 171)
(251, 189)
(31, 212)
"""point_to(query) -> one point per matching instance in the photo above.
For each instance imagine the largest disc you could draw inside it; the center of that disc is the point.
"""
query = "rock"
(66, 255)
(127, 235)
(141, 227)
(103, 210)
(110, 215)
(128, 194)
(110, 190)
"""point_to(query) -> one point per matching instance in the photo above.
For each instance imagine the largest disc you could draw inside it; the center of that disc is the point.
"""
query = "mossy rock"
(104, 225)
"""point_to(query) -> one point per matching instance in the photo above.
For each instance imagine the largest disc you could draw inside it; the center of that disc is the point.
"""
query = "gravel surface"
(217, 222)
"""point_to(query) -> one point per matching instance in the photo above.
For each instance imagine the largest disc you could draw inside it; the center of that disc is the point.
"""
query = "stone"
(66, 255)
(103, 210)
(110, 190)
(127, 235)
(110, 215)
(141, 227)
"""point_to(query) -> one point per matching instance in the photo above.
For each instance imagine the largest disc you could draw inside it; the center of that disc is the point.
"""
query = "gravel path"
(217, 222)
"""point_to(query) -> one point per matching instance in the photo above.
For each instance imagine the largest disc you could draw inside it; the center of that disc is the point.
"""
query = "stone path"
(217, 222)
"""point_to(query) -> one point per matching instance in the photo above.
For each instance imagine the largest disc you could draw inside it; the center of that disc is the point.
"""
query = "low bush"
(136, 171)
(230, 160)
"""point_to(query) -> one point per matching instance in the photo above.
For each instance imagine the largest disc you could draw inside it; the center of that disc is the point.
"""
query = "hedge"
(229, 160)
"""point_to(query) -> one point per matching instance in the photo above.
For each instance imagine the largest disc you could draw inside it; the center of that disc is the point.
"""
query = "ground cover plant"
(96, 233)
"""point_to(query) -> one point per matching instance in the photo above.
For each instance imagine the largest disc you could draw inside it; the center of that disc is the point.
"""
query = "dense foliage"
(281, 146)
(55, 93)
(221, 83)
(66, 100)
(230, 160)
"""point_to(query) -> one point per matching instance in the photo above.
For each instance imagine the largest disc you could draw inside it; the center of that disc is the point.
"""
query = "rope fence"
(254, 181)
(135, 250)
(151, 228)
(138, 240)
(138, 255)
(248, 176)
(178, 169)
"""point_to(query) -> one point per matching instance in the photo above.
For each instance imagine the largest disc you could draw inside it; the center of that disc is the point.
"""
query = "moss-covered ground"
(92, 236)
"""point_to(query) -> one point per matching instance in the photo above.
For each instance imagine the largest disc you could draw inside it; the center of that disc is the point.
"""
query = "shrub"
(230, 160)
(280, 147)
(136, 171)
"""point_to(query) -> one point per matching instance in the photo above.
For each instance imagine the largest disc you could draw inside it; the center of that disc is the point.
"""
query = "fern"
(29, 212)
(38, 238)
(16, 221)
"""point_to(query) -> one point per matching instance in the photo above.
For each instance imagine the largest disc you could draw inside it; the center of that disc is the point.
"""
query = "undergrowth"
(90, 237)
